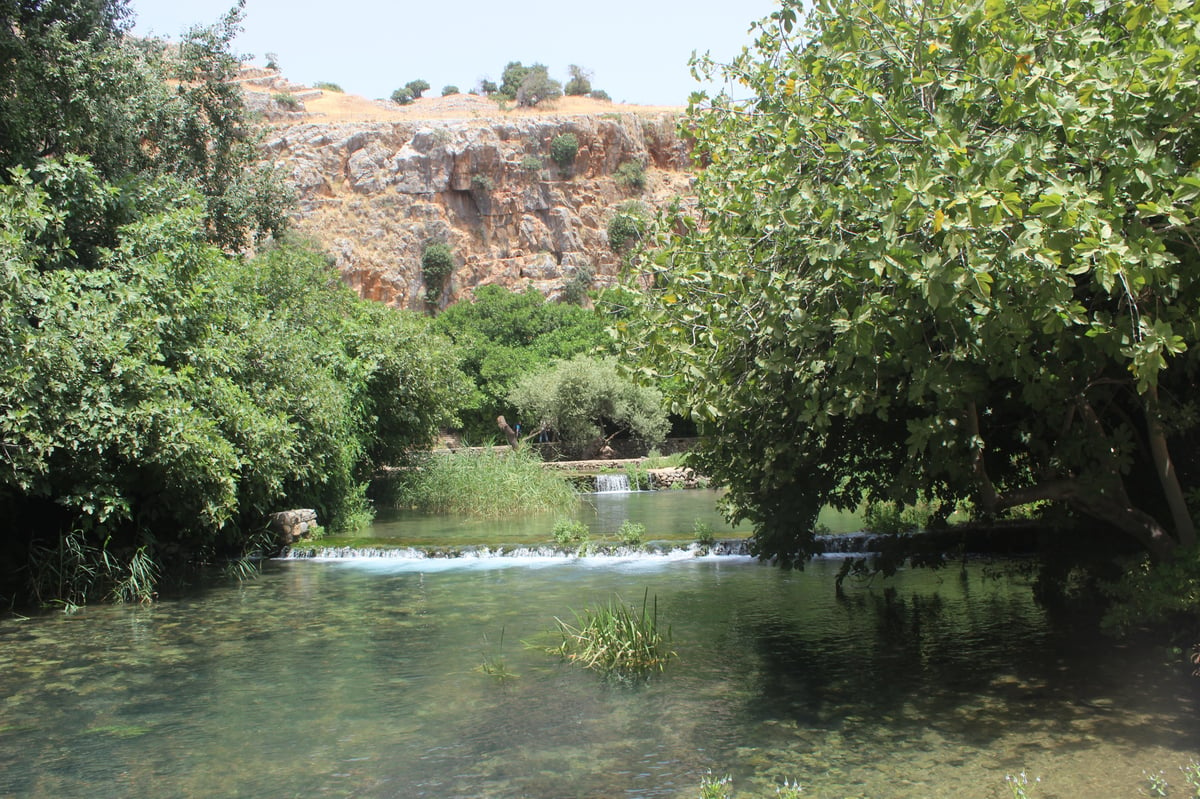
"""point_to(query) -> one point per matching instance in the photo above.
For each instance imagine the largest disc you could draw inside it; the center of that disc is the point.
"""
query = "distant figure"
(514, 439)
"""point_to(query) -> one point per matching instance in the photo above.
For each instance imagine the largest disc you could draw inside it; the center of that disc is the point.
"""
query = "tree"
(402, 96)
(580, 82)
(510, 79)
(417, 87)
(948, 248)
(437, 264)
(502, 335)
(586, 401)
(537, 86)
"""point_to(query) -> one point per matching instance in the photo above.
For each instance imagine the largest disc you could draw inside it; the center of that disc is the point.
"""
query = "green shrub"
(563, 149)
(487, 87)
(631, 534)
(402, 96)
(580, 82)
(631, 176)
(600, 94)
(437, 264)
(288, 101)
(537, 86)
(531, 163)
(575, 290)
(624, 230)
(327, 86)
(482, 182)
(568, 532)
(510, 80)
(449, 90)
(417, 87)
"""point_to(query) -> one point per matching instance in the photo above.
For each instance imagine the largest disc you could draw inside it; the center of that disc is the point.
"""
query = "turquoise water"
(363, 678)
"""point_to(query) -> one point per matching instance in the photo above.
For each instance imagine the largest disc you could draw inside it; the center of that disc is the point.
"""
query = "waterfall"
(612, 484)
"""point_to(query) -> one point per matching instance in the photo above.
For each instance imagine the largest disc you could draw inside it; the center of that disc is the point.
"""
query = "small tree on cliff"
(949, 248)
(437, 264)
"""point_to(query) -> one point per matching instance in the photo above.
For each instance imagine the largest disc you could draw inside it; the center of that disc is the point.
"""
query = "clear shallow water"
(361, 679)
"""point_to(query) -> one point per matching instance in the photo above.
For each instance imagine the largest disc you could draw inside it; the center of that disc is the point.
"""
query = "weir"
(612, 484)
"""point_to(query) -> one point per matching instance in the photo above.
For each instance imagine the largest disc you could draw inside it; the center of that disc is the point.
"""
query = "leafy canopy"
(944, 247)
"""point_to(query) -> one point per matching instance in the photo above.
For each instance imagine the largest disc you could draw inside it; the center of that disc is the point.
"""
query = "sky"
(636, 50)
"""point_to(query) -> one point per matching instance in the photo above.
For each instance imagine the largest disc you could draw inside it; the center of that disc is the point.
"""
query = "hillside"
(378, 182)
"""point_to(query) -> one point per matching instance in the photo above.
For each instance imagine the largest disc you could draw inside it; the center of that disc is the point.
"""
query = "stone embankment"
(375, 194)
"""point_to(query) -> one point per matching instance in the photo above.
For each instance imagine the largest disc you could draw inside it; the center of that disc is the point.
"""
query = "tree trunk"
(1185, 529)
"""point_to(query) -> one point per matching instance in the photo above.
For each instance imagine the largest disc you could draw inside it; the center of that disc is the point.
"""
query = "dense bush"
(575, 289)
(600, 94)
(537, 86)
(503, 334)
(417, 87)
(402, 96)
(585, 400)
(510, 80)
(563, 149)
(631, 176)
(531, 163)
(328, 86)
(437, 264)
(449, 90)
(580, 82)
(626, 228)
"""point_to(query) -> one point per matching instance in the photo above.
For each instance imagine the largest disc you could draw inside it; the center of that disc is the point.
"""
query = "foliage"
(631, 534)
(531, 163)
(402, 96)
(537, 86)
(482, 182)
(715, 787)
(328, 86)
(586, 399)
(488, 87)
(494, 483)
(618, 640)
(570, 532)
(626, 228)
(1150, 593)
(449, 89)
(502, 335)
(510, 80)
(287, 100)
(575, 289)
(1019, 786)
(437, 264)
(72, 83)
(417, 87)
(944, 247)
(580, 82)
(600, 94)
(563, 149)
(631, 176)
(156, 409)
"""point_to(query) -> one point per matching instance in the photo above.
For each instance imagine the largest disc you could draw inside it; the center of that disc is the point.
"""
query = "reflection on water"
(666, 515)
(362, 679)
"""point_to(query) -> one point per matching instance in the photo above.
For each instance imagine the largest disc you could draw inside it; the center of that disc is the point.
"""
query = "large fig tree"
(949, 248)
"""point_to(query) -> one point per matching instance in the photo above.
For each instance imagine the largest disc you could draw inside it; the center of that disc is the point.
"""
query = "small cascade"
(612, 484)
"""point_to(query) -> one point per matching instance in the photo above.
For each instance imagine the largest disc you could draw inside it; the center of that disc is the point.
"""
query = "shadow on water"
(363, 679)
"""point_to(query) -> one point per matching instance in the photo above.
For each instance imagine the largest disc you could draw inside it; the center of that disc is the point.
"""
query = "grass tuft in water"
(495, 666)
(494, 483)
(617, 640)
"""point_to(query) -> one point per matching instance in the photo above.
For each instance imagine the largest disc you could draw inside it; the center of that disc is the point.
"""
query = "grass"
(494, 483)
(618, 640)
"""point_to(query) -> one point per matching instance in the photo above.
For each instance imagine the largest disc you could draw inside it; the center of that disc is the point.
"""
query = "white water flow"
(612, 484)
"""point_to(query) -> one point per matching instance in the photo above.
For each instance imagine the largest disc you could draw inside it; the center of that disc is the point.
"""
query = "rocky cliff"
(377, 193)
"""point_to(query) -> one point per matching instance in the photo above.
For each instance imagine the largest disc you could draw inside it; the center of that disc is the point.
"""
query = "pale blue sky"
(637, 51)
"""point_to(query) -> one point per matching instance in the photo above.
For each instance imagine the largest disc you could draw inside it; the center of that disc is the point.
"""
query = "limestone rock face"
(376, 194)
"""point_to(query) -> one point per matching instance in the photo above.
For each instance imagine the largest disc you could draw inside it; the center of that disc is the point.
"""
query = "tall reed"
(492, 483)
(617, 640)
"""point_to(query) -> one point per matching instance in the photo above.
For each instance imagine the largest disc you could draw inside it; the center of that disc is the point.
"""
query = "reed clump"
(491, 483)
(618, 640)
